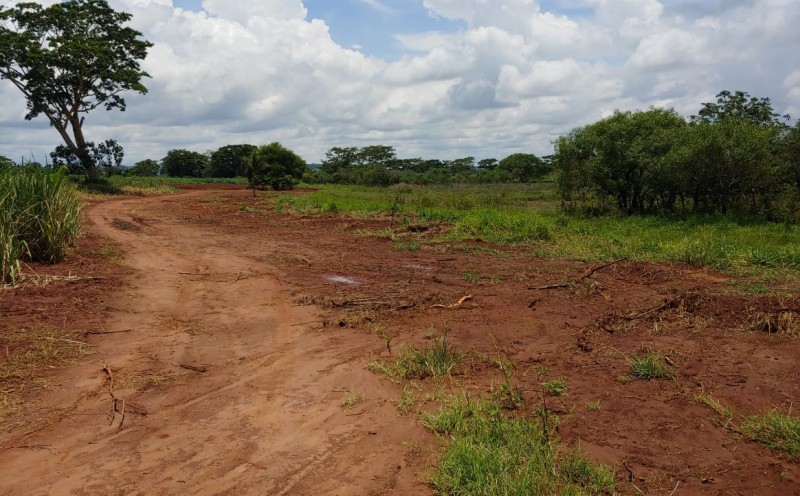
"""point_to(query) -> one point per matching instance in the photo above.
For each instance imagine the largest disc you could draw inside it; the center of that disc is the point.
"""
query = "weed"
(352, 399)
(471, 276)
(435, 361)
(490, 453)
(407, 246)
(725, 413)
(557, 387)
(593, 406)
(651, 365)
(776, 430)
(406, 403)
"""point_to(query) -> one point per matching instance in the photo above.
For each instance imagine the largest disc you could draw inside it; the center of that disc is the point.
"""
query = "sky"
(433, 78)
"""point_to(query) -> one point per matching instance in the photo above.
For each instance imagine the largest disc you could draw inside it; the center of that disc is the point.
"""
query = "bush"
(276, 166)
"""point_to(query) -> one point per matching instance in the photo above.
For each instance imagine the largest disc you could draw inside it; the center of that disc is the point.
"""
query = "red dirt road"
(266, 417)
(284, 311)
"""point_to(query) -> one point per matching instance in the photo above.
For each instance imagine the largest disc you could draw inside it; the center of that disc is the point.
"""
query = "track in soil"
(265, 416)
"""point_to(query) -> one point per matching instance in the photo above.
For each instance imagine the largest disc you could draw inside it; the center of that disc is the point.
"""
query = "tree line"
(735, 156)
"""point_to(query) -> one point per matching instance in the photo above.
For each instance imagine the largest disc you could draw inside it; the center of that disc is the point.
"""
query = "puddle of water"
(341, 280)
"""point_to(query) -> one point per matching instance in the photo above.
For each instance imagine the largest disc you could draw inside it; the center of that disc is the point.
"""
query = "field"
(440, 340)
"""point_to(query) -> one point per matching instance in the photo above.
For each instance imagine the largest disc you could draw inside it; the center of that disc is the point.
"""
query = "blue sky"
(370, 25)
(433, 78)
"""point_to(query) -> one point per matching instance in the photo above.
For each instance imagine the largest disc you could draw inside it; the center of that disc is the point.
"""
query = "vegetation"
(184, 163)
(276, 166)
(437, 360)
(651, 365)
(775, 429)
(490, 453)
(529, 214)
(737, 156)
(68, 59)
(39, 218)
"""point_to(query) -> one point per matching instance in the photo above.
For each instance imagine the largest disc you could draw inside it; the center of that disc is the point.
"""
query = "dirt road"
(265, 417)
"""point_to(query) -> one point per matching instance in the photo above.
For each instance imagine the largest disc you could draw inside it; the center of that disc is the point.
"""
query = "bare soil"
(229, 350)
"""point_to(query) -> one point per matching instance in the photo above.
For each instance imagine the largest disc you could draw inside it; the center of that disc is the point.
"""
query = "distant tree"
(524, 167)
(276, 166)
(69, 58)
(107, 155)
(184, 163)
(144, 168)
(376, 156)
(230, 161)
(462, 165)
(740, 105)
(340, 158)
(487, 164)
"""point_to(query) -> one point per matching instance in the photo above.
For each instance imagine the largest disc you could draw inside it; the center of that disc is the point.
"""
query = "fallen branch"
(103, 333)
(601, 267)
(455, 305)
(28, 446)
(362, 412)
(631, 476)
(569, 284)
(193, 368)
(668, 304)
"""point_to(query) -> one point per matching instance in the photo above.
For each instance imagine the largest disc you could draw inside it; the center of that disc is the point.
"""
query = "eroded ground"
(235, 340)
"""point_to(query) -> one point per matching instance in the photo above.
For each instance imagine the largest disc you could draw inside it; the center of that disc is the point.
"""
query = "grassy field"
(531, 216)
(134, 185)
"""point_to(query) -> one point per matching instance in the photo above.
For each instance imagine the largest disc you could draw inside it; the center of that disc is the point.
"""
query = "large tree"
(276, 166)
(69, 59)
(231, 160)
(184, 163)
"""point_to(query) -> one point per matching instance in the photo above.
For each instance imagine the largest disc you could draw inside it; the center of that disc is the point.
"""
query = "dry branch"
(103, 333)
(193, 368)
(569, 284)
(459, 304)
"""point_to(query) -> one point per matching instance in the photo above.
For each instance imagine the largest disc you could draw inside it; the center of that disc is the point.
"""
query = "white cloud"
(512, 79)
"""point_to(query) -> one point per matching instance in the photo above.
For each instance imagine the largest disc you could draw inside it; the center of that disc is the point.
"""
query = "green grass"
(557, 387)
(437, 360)
(39, 218)
(776, 430)
(651, 365)
(135, 185)
(490, 453)
(530, 215)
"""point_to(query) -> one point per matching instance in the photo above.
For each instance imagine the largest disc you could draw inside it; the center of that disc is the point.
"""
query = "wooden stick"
(102, 333)
(654, 310)
(601, 267)
(28, 446)
(193, 368)
(455, 305)
(122, 420)
(569, 284)
(676, 489)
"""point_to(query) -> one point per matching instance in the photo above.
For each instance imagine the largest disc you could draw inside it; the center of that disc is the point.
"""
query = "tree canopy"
(184, 163)
(276, 166)
(68, 59)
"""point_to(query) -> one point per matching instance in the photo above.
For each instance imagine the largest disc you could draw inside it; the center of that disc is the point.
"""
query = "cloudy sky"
(434, 78)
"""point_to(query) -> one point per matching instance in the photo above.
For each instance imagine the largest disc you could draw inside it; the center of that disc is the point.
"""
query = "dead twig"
(362, 412)
(459, 304)
(598, 268)
(28, 446)
(676, 489)
(193, 368)
(631, 475)
(569, 284)
(668, 304)
(103, 333)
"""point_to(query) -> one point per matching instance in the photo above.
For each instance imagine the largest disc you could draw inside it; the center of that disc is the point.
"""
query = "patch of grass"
(471, 276)
(30, 353)
(491, 453)
(352, 399)
(437, 360)
(407, 246)
(724, 412)
(531, 215)
(593, 406)
(651, 365)
(776, 430)
(406, 403)
(557, 387)
(783, 323)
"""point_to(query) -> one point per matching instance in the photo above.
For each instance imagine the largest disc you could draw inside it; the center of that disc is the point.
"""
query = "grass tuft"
(651, 365)
(776, 430)
(490, 453)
